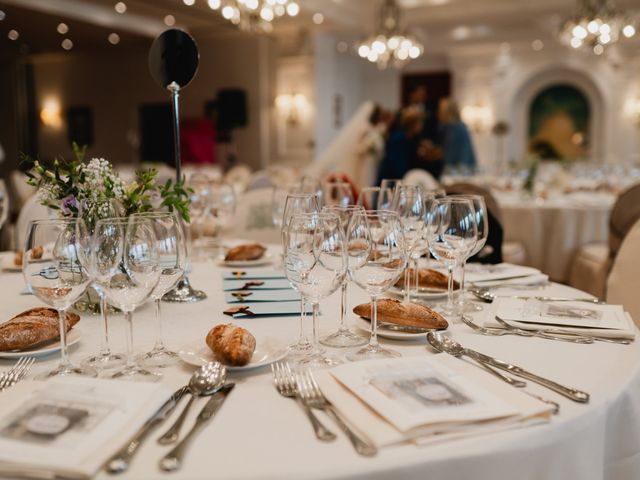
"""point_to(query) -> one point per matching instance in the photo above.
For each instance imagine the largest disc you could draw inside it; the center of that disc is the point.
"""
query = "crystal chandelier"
(596, 25)
(389, 46)
(254, 15)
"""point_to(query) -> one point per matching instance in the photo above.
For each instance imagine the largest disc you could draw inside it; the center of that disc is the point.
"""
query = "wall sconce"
(633, 110)
(292, 107)
(50, 113)
(477, 117)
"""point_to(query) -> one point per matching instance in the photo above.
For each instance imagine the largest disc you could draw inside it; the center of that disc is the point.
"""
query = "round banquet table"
(259, 434)
(552, 230)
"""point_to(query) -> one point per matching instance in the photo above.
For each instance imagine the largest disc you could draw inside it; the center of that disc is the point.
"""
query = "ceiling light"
(318, 18)
(254, 15)
(13, 35)
(113, 38)
(629, 31)
(213, 4)
(67, 44)
(188, 3)
(169, 20)
(598, 49)
(293, 9)
(121, 7)
(2, 15)
(62, 28)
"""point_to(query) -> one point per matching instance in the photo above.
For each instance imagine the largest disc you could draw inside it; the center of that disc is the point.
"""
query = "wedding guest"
(402, 145)
(420, 101)
(370, 149)
(457, 147)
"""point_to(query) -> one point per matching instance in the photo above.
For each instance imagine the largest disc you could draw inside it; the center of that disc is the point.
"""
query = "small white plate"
(268, 350)
(422, 293)
(6, 260)
(265, 259)
(365, 325)
(73, 337)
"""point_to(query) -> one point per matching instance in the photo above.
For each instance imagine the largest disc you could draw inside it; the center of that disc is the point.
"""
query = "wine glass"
(410, 206)
(452, 236)
(315, 265)
(200, 199)
(125, 257)
(482, 223)
(376, 261)
(57, 277)
(389, 184)
(309, 184)
(221, 208)
(344, 337)
(371, 198)
(279, 196)
(172, 257)
(337, 193)
(104, 359)
(299, 203)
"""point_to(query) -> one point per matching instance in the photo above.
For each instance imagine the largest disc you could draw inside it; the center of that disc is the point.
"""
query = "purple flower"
(69, 205)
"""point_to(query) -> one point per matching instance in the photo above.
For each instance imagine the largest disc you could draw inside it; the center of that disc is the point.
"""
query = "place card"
(266, 309)
(240, 274)
(272, 284)
(248, 296)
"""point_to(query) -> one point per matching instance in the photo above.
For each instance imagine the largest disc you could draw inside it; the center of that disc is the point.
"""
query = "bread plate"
(268, 350)
(265, 259)
(73, 337)
(365, 325)
(6, 261)
(423, 293)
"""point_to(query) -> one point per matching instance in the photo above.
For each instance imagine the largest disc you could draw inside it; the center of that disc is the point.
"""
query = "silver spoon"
(440, 343)
(205, 381)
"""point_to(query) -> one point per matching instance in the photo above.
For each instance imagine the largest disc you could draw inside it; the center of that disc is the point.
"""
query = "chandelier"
(254, 15)
(596, 25)
(389, 46)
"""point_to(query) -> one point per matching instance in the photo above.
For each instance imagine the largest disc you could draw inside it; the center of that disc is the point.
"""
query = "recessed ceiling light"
(62, 28)
(2, 15)
(537, 45)
(113, 38)
(13, 35)
(67, 44)
(169, 20)
(188, 2)
(318, 18)
(121, 7)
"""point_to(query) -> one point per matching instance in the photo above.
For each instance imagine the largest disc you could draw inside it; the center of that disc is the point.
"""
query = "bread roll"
(248, 251)
(36, 253)
(412, 314)
(33, 327)
(427, 278)
(231, 345)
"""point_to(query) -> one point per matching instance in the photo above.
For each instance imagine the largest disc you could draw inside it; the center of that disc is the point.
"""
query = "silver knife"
(121, 460)
(173, 460)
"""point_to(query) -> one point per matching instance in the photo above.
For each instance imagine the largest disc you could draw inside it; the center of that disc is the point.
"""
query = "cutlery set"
(16, 373)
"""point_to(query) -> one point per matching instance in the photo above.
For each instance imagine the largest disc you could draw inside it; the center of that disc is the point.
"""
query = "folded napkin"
(573, 317)
(247, 296)
(272, 284)
(266, 309)
(239, 274)
(68, 427)
(535, 279)
(475, 272)
(426, 399)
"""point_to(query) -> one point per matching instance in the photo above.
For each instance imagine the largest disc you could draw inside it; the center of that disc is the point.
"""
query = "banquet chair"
(622, 284)
(592, 262)
(31, 210)
(422, 178)
(254, 218)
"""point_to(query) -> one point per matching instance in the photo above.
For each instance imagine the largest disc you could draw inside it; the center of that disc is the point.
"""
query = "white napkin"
(502, 271)
(535, 279)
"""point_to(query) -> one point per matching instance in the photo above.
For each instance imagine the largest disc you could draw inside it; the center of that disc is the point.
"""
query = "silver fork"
(16, 373)
(314, 398)
(285, 383)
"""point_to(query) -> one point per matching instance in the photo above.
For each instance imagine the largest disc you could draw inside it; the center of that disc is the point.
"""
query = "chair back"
(31, 210)
(254, 217)
(422, 178)
(622, 283)
(624, 214)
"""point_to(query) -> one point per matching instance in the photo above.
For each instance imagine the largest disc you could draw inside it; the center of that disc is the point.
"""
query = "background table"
(258, 434)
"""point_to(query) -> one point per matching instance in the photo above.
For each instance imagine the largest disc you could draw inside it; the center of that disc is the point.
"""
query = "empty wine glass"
(172, 258)
(452, 236)
(372, 198)
(309, 184)
(221, 208)
(299, 203)
(337, 193)
(54, 273)
(200, 200)
(315, 265)
(376, 260)
(125, 256)
(344, 337)
(408, 203)
(389, 184)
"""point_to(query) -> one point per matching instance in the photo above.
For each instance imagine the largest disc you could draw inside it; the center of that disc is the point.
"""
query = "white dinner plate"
(365, 325)
(265, 259)
(268, 350)
(73, 336)
(422, 293)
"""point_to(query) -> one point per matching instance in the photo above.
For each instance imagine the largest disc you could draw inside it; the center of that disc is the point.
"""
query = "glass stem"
(316, 307)
(105, 351)
(373, 340)
(407, 285)
(415, 276)
(343, 309)
(450, 287)
(129, 331)
(303, 317)
(64, 353)
(461, 292)
(159, 345)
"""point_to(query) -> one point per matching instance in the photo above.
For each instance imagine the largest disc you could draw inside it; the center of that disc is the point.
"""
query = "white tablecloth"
(552, 230)
(258, 434)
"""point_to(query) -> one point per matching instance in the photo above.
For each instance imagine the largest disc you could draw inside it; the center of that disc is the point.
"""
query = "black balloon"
(173, 57)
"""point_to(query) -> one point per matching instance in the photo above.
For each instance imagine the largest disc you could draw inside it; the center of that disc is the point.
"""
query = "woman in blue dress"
(457, 147)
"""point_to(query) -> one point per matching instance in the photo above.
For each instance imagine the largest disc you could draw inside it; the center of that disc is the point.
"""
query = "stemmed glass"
(299, 203)
(338, 193)
(200, 198)
(389, 184)
(125, 257)
(452, 236)
(312, 185)
(344, 337)
(372, 198)
(315, 265)
(482, 224)
(409, 204)
(57, 278)
(221, 208)
(172, 257)
(375, 247)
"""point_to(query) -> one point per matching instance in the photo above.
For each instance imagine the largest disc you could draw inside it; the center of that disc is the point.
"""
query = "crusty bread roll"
(33, 327)
(247, 251)
(428, 278)
(412, 314)
(36, 253)
(231, 345)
